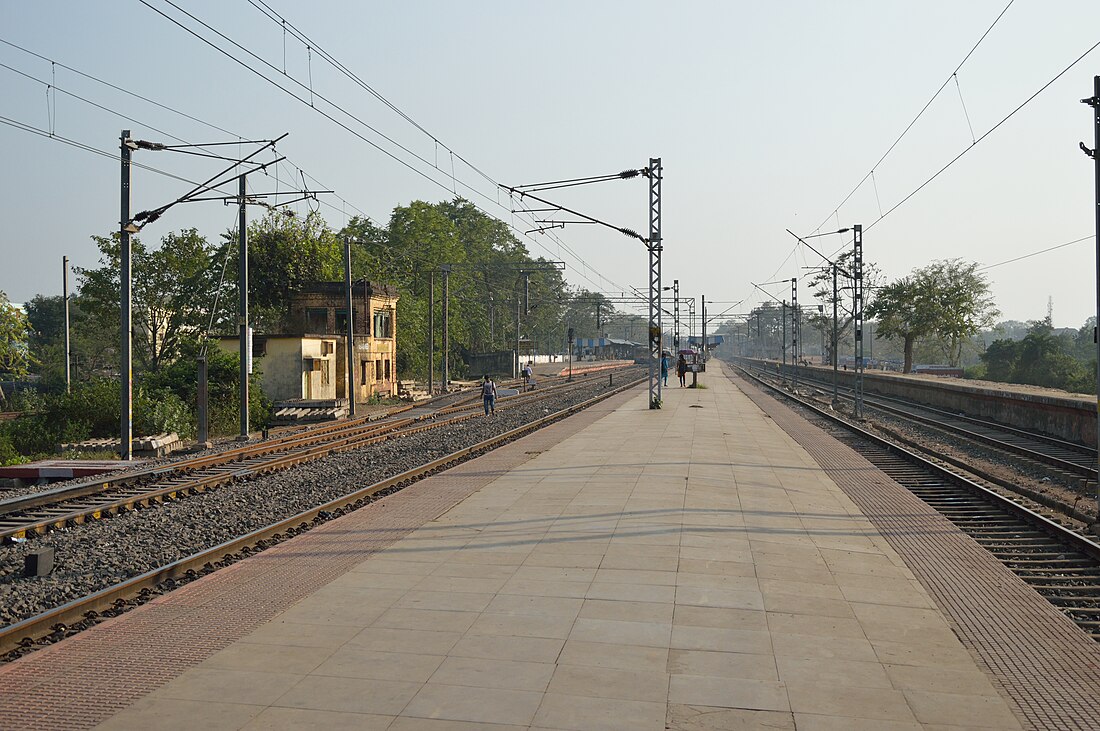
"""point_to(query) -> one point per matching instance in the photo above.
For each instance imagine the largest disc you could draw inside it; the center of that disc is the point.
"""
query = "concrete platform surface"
(689, 568)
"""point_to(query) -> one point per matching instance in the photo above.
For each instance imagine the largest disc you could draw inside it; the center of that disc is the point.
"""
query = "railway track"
(55, 624)
(1061, 565)
(1072, 462)
(49, 510)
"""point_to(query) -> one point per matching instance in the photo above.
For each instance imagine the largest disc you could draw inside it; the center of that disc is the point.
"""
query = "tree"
(948, 300)
(15, 330)
(171, 294)
(821, 287)
(284, 252)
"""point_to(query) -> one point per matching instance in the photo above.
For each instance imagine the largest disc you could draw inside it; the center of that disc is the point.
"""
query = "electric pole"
(446, 325)
(350, 348)
(655, 247)
(431, 332)
(794, 332)
(676, 314)
(246, 345)
(65, 298)
(1094, 102)
(126, 367)
(857, 313)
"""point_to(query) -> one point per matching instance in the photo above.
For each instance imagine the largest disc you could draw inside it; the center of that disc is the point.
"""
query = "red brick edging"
(87, 678)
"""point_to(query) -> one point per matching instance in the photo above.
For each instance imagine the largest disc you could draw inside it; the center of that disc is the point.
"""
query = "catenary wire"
(919, 115)
(338, 122)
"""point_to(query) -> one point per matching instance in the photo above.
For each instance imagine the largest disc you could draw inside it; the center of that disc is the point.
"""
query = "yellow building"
(320, 308)
(294, 367)
(309, 361)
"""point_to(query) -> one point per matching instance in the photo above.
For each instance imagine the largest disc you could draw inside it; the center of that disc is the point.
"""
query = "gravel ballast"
(101, 553)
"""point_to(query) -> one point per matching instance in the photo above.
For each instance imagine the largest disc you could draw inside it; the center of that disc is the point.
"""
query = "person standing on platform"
(489, 395)
(681, 370)
(664, 368)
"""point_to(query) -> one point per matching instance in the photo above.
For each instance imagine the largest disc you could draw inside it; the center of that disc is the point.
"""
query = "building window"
(317, 319)
(378, 370)
(387, 369)
(325, 377)
(382, 324)
(363, 373)
(341, 321)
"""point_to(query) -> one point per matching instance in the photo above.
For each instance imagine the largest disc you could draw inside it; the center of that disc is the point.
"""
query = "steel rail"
(23, 634)
(1075, 540)
(906, 409)
(1060, 565)
(64, 509)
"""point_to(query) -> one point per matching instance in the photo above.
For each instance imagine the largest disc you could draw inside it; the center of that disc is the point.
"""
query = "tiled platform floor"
(690, 568)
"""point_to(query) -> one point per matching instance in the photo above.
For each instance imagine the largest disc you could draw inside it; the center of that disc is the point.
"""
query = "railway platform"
(717, 564)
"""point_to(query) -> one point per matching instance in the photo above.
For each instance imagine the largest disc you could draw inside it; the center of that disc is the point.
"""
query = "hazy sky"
(765, 114)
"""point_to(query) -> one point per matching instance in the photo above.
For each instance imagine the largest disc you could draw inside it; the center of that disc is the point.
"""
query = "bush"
(977, 372)
(162, 411)
(8, 453)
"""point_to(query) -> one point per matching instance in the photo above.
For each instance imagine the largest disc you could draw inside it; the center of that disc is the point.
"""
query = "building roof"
(358, 288)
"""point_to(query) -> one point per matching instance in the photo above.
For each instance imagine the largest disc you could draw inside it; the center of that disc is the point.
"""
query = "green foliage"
(172, 296)
(1041, 358)
(8, 453)
(15, 330)
(948, 300)
(157, 412)
(284, 252)
(181, 379)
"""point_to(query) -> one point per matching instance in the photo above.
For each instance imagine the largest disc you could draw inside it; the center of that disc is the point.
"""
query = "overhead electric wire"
(281, 21)
(88, 148)
(333, 119)
(927, 104)
(988, 132)
(116, 88)
(1090, 237)
(274, 16)
(198, 120)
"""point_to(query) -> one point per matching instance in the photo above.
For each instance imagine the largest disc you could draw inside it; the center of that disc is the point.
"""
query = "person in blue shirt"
(664, 368)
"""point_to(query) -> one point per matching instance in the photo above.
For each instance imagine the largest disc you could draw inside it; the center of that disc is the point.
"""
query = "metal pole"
(655, 247)
(833, 355)
(126, 367)
(676, 314)
(857, 313)
(515, 358)
(794, 332)
(65, 299)
(446, 326)
(783, 347)
(350, 347)
(246, 354)
(431, 332)
(203, 408)
(1094, 102)
(703, 322)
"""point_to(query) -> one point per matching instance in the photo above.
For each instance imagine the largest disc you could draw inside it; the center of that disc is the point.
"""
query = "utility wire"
(988, 132)
(919, 115)
(346, 127)
(311, 44)
(1090, 237)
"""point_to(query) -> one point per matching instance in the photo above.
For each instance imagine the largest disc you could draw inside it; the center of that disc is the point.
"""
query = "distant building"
(321, 308)
(309, 361)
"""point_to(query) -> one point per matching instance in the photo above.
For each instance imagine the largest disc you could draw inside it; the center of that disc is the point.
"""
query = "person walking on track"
(489, 395)
(526, 375)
